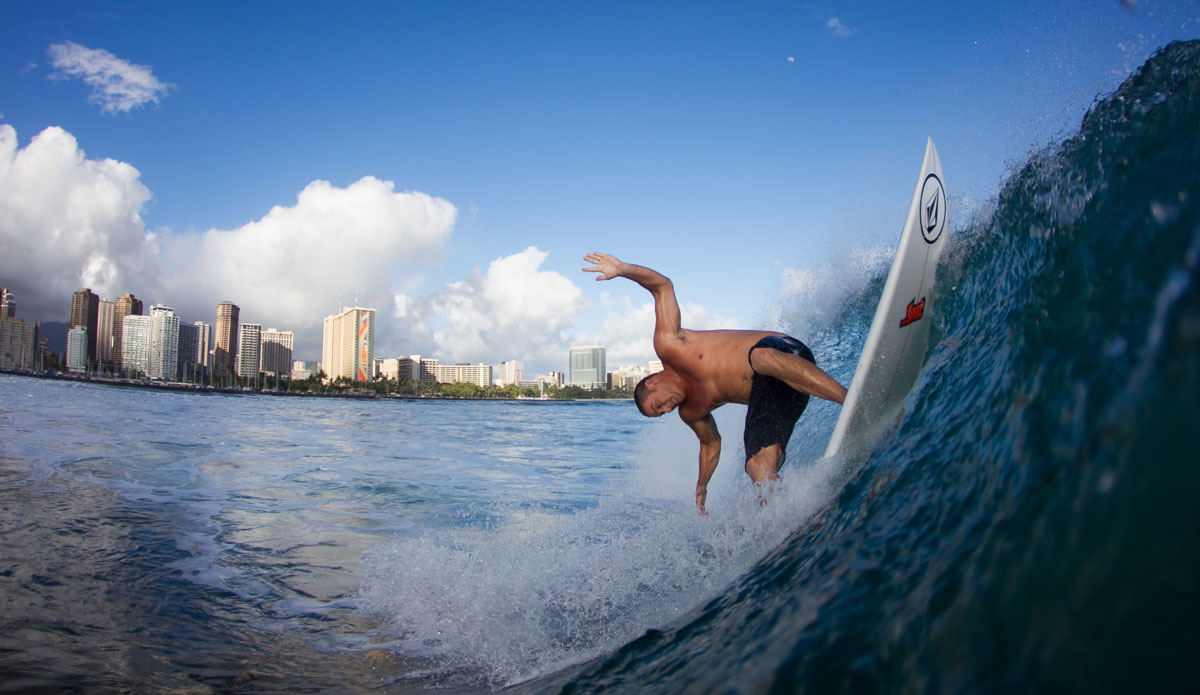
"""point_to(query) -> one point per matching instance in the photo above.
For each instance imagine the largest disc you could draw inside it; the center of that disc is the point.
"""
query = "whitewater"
(1025, 524)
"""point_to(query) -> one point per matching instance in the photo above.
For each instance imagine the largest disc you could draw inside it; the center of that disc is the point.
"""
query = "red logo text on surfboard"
(914, 312)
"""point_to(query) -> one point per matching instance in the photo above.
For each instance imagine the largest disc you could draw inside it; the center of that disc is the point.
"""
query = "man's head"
(657, 394)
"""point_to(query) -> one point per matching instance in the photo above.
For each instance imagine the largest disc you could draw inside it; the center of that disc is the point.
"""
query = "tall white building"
(164, 343)
(135, 345)
(249, 350)
(77, 349)
(510, 372)
(348, 345)
(586, 367)
(276, 358)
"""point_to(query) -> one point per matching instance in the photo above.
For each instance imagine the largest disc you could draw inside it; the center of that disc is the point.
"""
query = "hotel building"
(348, 345)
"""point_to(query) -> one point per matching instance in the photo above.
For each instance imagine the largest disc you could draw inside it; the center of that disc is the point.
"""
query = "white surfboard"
(895, 349)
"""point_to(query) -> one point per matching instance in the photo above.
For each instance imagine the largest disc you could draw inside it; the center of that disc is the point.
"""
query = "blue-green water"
(1027, 524)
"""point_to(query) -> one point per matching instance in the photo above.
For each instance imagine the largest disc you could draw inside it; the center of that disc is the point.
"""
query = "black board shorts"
(774, 406)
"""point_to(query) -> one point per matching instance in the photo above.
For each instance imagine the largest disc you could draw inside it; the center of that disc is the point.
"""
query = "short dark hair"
(639, 395)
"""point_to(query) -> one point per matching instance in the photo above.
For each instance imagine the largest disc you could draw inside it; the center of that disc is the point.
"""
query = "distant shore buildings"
(113, 338)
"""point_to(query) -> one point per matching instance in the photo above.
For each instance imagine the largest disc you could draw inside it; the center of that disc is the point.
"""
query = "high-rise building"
(249, 352)
(135, 346)
(276, 357)
(188, 369)
(125, 305)
(85, 312)
(348, 345)
(225, 337)
(8, 305)
(164, 343)
(586, 368)
(105, 357)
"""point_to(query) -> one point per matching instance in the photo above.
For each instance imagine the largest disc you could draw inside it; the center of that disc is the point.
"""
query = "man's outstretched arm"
(666, 307)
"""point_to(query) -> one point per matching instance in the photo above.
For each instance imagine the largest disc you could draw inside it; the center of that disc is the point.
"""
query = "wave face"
(1028, 520)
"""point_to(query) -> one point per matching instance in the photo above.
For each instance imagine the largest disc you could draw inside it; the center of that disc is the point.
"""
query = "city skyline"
(142, 359)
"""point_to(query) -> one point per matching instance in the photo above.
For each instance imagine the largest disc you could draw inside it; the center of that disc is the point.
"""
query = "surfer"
(772, 373)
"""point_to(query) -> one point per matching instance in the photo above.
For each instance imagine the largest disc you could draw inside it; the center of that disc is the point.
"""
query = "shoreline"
(231, 391)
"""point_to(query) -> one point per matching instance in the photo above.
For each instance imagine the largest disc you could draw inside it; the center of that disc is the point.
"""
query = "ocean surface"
(1027, 524)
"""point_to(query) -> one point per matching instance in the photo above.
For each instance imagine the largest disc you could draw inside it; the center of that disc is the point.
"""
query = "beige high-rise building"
(348, 345)
(225, 340)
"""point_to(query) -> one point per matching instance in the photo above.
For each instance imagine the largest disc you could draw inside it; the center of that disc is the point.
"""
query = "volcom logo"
(933, 208)
(914, 312)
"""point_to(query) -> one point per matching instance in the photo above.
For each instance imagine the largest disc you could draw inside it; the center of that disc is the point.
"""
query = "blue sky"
(734, 146)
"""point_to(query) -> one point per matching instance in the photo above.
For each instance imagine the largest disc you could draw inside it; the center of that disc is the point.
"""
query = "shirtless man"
(772, 373)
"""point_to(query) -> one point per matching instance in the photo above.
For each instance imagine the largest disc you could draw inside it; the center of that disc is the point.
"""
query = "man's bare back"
(703, 370)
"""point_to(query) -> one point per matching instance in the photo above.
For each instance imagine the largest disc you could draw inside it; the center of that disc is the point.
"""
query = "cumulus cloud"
(516, 310)
(117, 85)
(68, 222)
(839, 29)
(335, 247)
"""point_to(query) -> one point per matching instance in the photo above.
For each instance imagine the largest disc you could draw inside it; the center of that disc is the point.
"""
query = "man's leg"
(764, 465)
(797, 372)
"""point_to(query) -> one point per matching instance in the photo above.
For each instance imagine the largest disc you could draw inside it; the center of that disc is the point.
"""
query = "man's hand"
(607, 266)
(701, 496)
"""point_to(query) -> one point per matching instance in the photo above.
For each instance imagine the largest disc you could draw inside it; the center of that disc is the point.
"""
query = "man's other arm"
(710, 453)
(666, 307)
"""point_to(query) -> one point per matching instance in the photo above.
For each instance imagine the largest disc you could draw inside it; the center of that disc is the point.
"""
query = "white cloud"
(335, 247)
(839, 29)
(515, 310)
(117, 85)
(68, 222)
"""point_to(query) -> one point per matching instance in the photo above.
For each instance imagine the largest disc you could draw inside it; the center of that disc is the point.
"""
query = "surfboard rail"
(894, 351)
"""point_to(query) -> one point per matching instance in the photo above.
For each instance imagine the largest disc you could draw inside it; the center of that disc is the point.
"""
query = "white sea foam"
(534, 593)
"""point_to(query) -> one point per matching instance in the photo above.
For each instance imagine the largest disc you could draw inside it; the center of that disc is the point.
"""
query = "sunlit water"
(159, 538)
